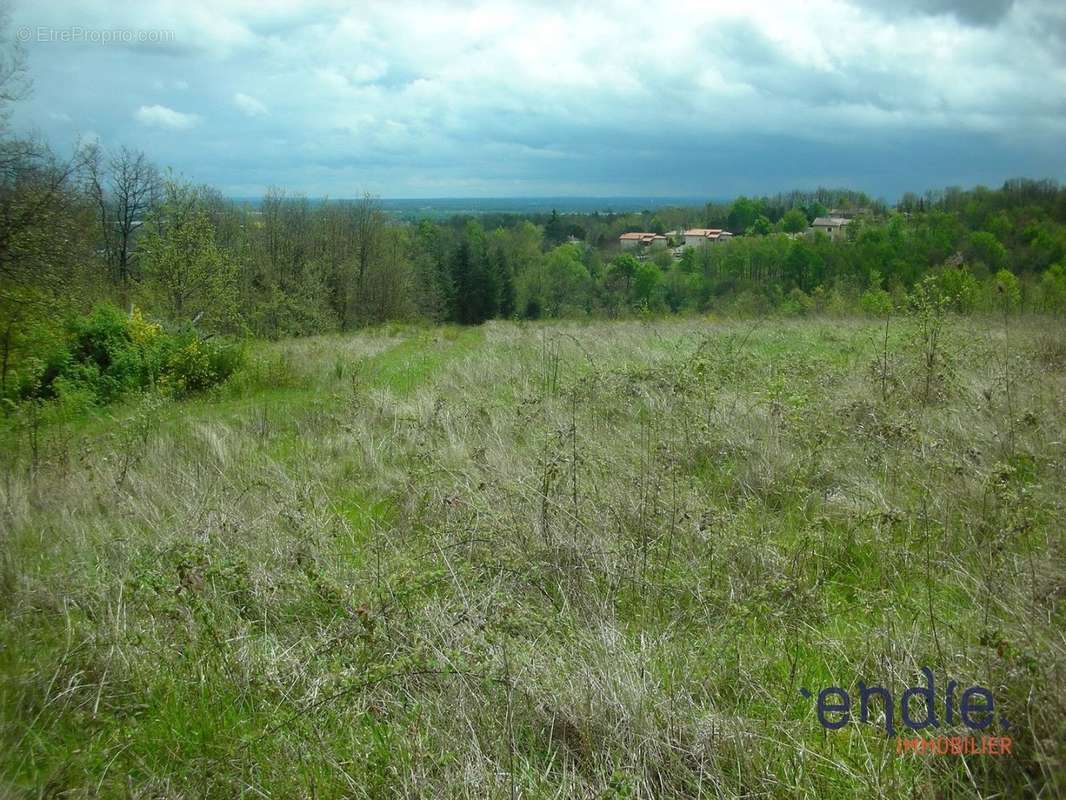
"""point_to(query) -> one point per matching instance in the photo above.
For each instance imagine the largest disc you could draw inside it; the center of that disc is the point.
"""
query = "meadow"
(570, 559)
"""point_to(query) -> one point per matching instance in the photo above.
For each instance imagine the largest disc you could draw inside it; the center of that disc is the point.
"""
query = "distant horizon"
(632, 200)
(414, 198)
(506, 198)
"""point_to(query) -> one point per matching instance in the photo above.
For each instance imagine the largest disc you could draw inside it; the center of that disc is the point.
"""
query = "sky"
(526, 98)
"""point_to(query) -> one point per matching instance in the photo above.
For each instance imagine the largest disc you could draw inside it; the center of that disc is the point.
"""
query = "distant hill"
(448, 206)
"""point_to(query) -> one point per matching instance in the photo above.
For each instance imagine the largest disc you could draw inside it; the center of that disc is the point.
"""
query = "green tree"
(568, 280)
(623, 268)
(503, 277)
(187, 276)
(688, 260)
(801, 266)
(558, 284)
(761, 226)
(794, 221)
(524, 244)
(476, 289)
(959, 288)
(1007, 289)
(646, 280)
(434, 288)
(742, 214)
(663, 258)
(1053, 288)
(815, 210)
(554, 229)
(679, 288)
(984, 248)
(1047, 244)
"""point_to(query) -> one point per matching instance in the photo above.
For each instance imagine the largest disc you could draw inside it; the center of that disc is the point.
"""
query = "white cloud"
(249, 106)
(162, 117)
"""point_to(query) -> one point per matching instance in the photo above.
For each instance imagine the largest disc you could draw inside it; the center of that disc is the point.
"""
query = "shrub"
(934, 370)
(194, 365)
(959, 288)
(796, 304)
(750, 303)
(1007, 291)
(1053, 288)
(841, 300)
(107, 354)
(100, 355)
(951, 289)
(876, 302)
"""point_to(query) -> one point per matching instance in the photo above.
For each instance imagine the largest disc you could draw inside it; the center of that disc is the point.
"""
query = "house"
(833, 227)
(694, 237)
(628, 241)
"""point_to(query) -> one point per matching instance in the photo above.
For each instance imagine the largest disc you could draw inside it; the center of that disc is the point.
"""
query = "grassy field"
(568, 560)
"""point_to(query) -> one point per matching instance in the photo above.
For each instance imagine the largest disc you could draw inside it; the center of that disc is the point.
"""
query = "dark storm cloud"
(973, 12)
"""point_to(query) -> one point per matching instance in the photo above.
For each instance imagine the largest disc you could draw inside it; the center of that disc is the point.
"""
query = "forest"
(112, 229)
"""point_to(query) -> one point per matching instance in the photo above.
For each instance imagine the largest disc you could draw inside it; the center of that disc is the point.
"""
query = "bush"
(107, 354)
(796, 304)
(750, 303)
(1006, 291)
(959, 287)
(100, 355)
(1053, 288)
(876, 303)
(194, 365)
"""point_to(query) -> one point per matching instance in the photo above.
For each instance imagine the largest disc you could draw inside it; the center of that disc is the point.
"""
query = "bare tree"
(124, 191)
(366, 224)
(44, 223)
(388, 290)
(271, 212)
(367, 218)
(135, 187)
(36, 188)
(14, 78)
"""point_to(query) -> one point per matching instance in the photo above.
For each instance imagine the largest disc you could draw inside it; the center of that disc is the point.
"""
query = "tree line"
(110, 226)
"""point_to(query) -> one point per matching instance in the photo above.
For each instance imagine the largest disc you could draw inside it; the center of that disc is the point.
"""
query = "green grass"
(574, 559)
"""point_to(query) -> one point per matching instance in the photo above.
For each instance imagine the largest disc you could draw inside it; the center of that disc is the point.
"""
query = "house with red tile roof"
(641, 239)
(694, 237)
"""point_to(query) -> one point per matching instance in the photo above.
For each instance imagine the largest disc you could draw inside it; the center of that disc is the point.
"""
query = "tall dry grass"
(561, 560)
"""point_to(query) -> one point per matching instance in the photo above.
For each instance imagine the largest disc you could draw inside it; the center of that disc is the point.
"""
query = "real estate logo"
(973, 707)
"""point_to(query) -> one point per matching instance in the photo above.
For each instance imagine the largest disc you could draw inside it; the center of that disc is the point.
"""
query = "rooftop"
(641, 236)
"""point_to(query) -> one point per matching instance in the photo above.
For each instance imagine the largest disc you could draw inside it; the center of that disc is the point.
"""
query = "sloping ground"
(553, 560)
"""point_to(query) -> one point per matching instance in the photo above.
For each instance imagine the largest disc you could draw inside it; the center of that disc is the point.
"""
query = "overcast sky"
(526, 98)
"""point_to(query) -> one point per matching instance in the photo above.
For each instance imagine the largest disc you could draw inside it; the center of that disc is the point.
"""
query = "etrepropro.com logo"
(76, 34)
